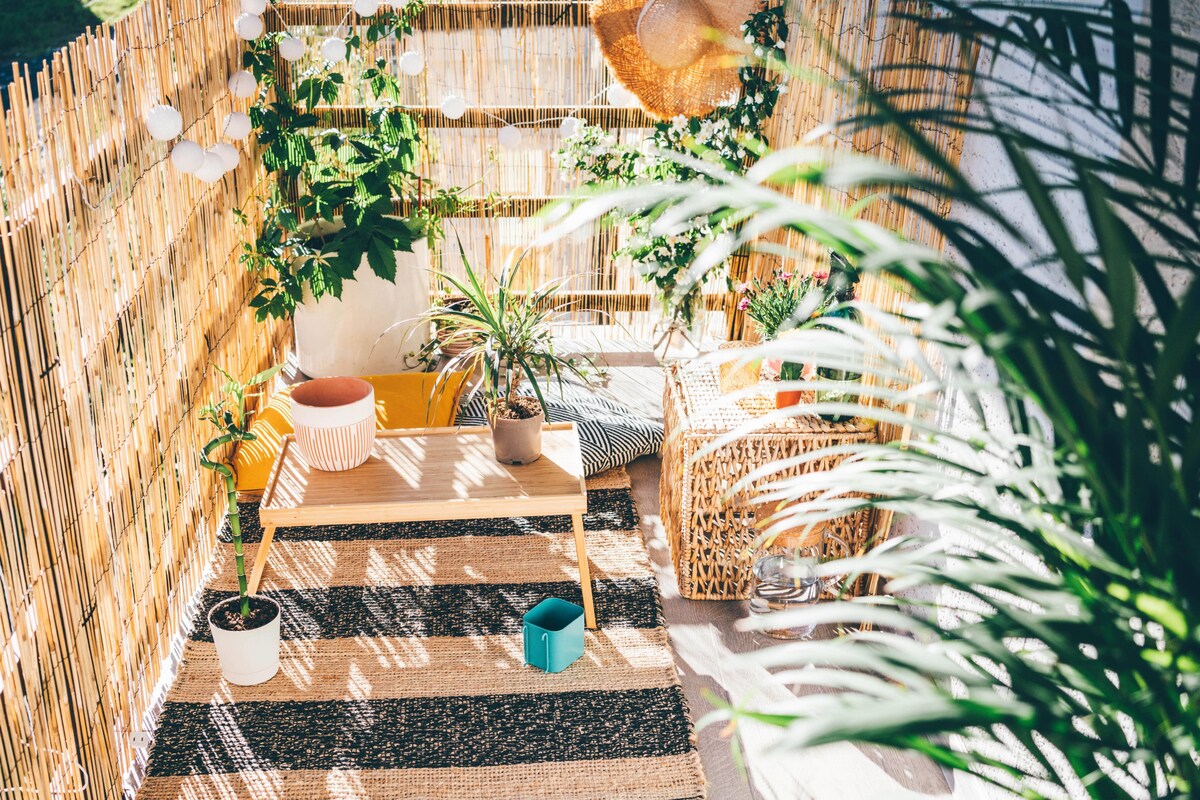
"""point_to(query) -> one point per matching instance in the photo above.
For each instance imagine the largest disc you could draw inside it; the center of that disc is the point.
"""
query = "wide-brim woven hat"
(663, 50)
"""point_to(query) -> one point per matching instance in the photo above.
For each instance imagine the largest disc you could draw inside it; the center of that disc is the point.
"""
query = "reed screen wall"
(120, 291)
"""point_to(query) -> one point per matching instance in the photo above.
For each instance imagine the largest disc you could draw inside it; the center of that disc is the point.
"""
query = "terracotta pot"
(335, 422)
(247, 657)
(788, 398)
(518, 441)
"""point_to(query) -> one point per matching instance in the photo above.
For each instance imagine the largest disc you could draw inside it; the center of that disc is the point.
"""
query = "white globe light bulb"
(366, 8)
(291, 48)
(333, 49)
(570, 126)
(236, 125)
(411, 63)
(619, 96)
(454, 106)
(213, 168)
(228, 154)
(242, 84)
(187, 156)
(164, 122)
(249, 26)
(510, 137)
(254, 7)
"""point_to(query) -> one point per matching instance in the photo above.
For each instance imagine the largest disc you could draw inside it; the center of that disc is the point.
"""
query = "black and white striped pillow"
(609, 435)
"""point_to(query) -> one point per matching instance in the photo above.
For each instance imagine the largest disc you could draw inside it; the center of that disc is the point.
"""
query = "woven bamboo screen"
(120, 290)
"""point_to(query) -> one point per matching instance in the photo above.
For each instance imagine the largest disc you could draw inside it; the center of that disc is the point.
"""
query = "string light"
(453, 106)
(242, 84)
(411, 63)
(187, 156)
(236, 125)
(254, 7)
(570, 125)
(228, 154)
(249, 26)
(509, 137)
(164, 122)
(333, 50)
(212, 169)
(291, 48)
(366, 8)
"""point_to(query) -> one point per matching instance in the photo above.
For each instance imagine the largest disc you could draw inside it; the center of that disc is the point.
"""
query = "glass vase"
(782, 582)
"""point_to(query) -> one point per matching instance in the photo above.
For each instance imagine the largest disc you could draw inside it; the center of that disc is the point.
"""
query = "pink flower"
(743, 304)
(742, 288)
(821, 276)
(787, 276)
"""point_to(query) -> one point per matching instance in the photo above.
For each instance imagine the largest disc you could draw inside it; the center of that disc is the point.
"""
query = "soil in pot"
(517, 431)
(228, 616)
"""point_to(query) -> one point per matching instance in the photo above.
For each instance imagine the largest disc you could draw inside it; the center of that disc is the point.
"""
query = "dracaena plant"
(228, 415)
(1041, 624)
(331, 198)
(506, 332)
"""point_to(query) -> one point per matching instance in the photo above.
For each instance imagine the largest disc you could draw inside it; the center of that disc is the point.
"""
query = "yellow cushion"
(405, 400)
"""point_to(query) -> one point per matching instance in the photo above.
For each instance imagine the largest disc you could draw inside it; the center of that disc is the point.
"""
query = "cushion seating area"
(610, 435)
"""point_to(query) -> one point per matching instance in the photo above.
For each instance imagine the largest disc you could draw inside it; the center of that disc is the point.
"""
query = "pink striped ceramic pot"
(335, 422)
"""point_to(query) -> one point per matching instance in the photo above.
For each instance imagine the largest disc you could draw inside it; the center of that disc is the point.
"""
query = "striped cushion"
(609, 435)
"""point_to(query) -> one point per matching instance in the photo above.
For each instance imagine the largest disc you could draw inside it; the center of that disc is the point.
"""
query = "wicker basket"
(711, 531)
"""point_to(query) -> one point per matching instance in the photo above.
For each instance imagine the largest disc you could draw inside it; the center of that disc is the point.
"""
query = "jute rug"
(403, 676)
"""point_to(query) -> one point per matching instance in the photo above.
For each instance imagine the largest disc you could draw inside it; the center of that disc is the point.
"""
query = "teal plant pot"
(553, 635)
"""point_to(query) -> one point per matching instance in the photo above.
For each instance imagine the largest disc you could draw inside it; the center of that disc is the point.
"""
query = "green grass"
(31, 29)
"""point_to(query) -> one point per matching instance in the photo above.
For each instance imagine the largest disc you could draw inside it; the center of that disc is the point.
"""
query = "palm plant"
(506, 333)
(1045, 637)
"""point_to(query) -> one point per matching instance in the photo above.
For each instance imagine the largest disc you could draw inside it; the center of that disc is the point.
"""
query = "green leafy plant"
(731, 135)
(332, 198)
(506, 333)
(1045, 637)
(228, 414)
(782, 302)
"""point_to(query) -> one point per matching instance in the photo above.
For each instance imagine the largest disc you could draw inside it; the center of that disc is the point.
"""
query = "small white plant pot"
(335, 422)
(247, 657)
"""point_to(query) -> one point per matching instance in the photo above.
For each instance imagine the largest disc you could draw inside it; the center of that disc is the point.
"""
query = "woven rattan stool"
(712, 532)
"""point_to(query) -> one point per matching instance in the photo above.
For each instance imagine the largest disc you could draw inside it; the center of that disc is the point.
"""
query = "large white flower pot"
(247, 657)
(364, 332)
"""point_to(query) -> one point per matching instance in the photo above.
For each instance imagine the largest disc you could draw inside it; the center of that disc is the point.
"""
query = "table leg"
(585, 572)
(260, 559)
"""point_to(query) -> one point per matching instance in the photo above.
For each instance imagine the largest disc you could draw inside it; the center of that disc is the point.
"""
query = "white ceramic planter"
(364, 332)
(335, 421)
(247, 657)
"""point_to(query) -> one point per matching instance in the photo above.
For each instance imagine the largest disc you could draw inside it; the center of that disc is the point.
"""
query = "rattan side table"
(712, 532)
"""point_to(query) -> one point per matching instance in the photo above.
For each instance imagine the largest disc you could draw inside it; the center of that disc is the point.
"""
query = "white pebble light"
(333, 49)
(164, 122)
(228, 154)
(509, 136)
(291, 48)
(249, 26)
(619, 96)
(255, 7)
(366, 8)
(242, 84)
(213, 168)
(570, 126)
(236, 125)
(411, 63)
(187, 156)
(453, 106)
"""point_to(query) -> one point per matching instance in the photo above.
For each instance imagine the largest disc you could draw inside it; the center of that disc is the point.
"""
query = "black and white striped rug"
(403, 677)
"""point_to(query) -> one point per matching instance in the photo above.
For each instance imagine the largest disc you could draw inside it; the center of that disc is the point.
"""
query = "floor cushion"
(609, 434)
(401, 401)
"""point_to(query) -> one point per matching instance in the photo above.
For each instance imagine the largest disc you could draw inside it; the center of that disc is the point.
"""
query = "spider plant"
(1041, 626)
(506, 333)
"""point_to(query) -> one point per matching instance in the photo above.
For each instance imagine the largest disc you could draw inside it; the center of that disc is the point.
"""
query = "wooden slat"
(446, 16)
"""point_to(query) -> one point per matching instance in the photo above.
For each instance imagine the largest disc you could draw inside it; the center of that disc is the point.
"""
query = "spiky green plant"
(1047, 636)
(229, 416)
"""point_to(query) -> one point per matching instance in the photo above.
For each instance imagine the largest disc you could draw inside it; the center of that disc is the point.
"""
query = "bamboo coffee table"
(428, 475)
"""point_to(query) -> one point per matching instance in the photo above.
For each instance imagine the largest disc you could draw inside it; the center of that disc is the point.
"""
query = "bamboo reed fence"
(120, 291)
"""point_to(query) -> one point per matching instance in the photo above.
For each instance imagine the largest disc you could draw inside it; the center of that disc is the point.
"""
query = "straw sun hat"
(662, 50)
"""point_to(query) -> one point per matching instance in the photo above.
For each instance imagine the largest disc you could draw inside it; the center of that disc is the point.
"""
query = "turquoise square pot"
(553, 635)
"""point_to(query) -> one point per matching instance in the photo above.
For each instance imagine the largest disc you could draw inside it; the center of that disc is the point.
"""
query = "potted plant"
(245, 629)
(840, 384)
(506, 334)
(779, 305)
(331, 252)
